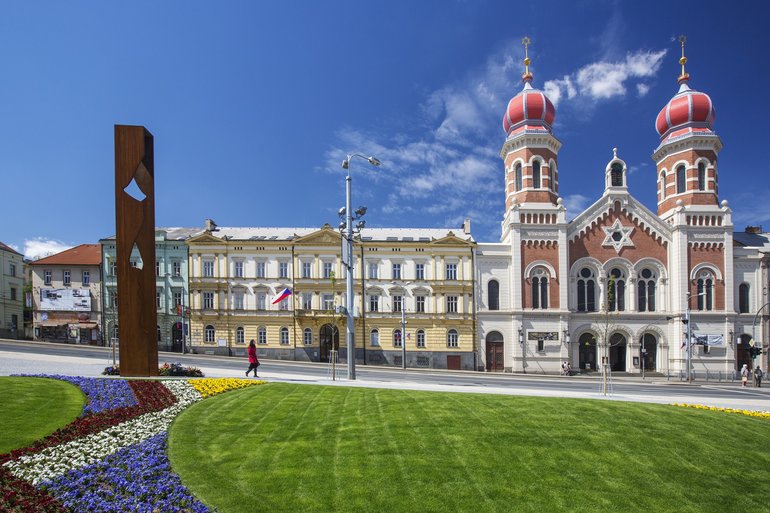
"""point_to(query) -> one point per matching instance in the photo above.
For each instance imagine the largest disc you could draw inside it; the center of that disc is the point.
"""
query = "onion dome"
(530, 109)
(688, 111)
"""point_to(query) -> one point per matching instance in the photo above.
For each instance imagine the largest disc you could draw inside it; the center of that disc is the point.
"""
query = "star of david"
(618, 236)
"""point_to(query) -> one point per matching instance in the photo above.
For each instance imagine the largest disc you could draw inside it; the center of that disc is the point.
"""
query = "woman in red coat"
(253, 360)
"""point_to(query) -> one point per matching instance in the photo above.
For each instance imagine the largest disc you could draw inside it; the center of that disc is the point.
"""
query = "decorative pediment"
(205, 238)
(451, 240)
(326, 236)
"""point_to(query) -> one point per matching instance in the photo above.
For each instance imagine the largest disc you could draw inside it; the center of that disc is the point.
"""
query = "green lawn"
(293, 448)
(32, 408)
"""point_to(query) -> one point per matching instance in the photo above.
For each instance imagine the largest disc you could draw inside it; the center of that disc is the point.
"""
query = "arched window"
(517, 177)
(662, 185)
(701, 176)
(420, 338)
(616, 175)
(645, 291)
(681, 180)
(262, 335)
(705, 282)
(209, 333)
(239, 336)
(307, 337)
(452, 338)
(616, 291)
(743, 298)
(536, 174)
(554, 175)
(586, 291)
(374, 337)
(539, 288)
(397, 338)
(493, 294)
(284, 335)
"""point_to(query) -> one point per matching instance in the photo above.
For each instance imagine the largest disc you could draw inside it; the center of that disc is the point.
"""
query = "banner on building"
(708, 340)
(77, 300)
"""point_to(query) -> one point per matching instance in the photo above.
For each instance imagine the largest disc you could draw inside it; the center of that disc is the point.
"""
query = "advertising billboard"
(78, 300)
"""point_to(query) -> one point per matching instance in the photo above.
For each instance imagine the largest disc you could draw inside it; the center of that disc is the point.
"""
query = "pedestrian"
(569, 369)
(758, 377)
(563, 368)
(744, 375)
(253, 360)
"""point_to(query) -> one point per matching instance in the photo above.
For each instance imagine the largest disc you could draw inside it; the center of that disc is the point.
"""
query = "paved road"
(41, 357)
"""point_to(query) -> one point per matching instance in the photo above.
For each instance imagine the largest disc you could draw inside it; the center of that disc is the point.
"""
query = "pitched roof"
(5, 247)
(85, 254)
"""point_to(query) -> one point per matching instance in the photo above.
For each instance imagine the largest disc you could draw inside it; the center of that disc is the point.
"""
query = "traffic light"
(755, 351)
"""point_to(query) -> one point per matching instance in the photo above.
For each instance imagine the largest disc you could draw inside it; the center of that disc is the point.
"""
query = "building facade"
(618, 284)
(426, 274)
(171, 296)
(11, 293)
(67, 298)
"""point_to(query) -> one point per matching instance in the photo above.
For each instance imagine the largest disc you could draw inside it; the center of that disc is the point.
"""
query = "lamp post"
(347, 255)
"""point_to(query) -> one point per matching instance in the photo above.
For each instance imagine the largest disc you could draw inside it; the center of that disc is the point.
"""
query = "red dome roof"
(686, 108)
(529, 108)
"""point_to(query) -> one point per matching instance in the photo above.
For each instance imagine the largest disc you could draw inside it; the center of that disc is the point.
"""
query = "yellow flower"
(213, 386)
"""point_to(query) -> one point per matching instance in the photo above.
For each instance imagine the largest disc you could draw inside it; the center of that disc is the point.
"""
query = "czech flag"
(282, 295)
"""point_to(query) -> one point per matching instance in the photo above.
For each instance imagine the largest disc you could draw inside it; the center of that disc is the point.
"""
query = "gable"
(323, 237)
(617, 233)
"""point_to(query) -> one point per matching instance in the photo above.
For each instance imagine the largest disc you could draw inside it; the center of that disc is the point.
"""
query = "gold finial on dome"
(684, 77)
(527, 76)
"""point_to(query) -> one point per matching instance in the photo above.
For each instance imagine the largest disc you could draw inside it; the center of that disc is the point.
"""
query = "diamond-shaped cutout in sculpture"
(134, 191)
(136, 257)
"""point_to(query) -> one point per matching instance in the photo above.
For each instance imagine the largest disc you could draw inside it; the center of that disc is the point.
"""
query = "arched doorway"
(176, 336)
(648, 350)
(495, 344)
(742, 352)
(618, 352)
(329, 337)
(587, 352)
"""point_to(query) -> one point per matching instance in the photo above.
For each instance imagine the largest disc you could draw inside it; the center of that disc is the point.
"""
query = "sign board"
(708, 340)
(545, 335)
(77, 300)
(222, 342)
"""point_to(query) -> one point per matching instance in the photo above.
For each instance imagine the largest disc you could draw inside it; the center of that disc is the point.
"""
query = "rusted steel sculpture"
(135, 232)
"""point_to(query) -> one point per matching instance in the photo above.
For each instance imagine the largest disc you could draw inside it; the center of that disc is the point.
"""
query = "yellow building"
(235, 273)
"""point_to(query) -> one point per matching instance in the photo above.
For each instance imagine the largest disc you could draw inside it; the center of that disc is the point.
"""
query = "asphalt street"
(42, 357)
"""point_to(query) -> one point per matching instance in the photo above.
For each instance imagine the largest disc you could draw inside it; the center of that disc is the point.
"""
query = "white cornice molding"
(530, 140)
(687, 142)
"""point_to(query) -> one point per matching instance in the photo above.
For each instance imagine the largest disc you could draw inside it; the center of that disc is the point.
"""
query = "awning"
(52, 323)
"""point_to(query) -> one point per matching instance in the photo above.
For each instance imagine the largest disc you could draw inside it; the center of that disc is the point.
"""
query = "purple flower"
(137, 478)
(101, 393)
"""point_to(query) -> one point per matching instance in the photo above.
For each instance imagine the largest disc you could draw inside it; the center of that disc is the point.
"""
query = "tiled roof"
(368, 234)
(5, 247)
(85, 254)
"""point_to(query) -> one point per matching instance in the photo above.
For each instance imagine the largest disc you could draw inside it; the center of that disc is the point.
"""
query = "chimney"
(210, 226)
(466, 227)
(754, 229)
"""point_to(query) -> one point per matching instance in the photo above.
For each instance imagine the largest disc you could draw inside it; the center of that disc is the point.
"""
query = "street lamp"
(347, 254)
(689, 333)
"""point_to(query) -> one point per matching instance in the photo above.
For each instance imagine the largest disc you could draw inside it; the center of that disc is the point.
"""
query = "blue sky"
(254, 105)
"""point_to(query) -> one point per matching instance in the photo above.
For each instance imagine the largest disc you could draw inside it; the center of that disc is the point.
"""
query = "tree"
(606, 326)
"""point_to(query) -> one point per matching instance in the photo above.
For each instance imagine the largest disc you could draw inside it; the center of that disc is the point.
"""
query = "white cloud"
(575, 204)
(607, 79)
(40, 247)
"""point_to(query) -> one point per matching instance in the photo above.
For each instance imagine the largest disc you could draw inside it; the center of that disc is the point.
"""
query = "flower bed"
(111, 460)
(167, 369)
(750, 413)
